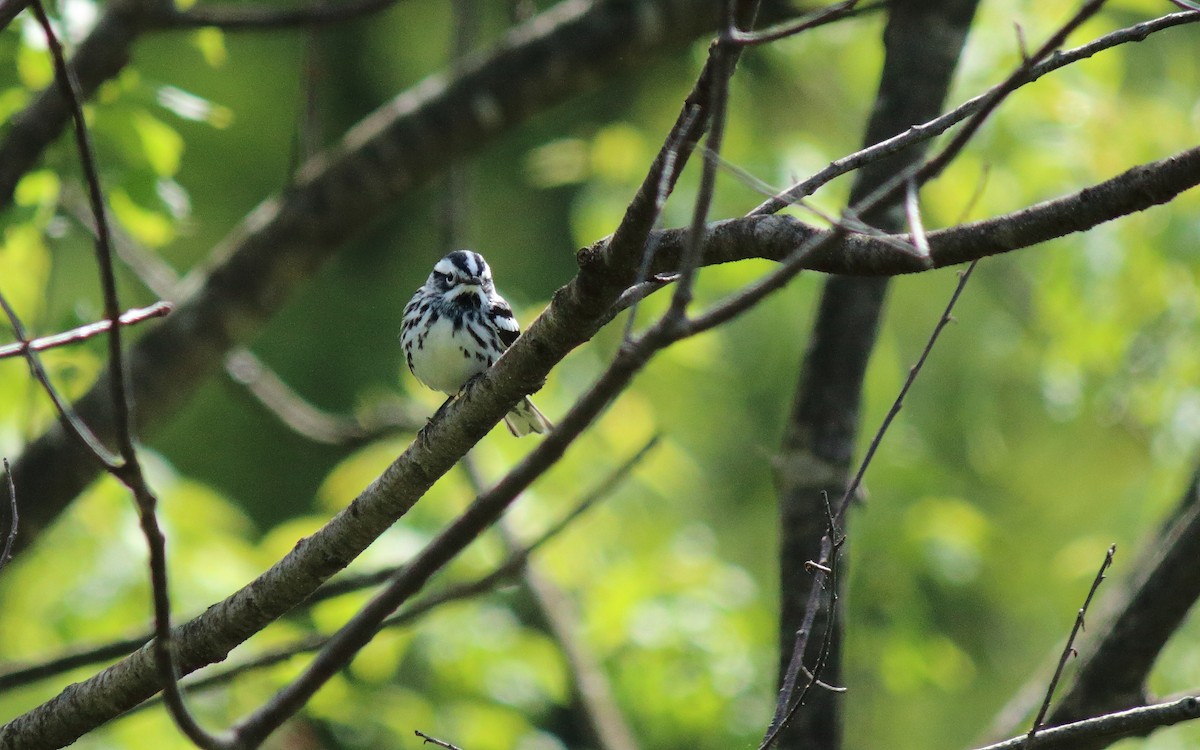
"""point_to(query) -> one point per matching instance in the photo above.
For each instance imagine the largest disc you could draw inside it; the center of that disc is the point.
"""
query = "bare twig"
(825, 566)
(608, 724)
(672, 164)
(996, 96)
(789, 701)
(942, 123)
(821, 17)
(70, 421)
(129, 471)
(427, 740)
(898, 404)
(723, 59)
(69, 89)
(85, 332)
(1107, 728)
(1069, 649)
(13, 519)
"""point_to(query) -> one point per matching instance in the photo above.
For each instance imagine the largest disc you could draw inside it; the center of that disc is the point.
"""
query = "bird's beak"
(467, 286)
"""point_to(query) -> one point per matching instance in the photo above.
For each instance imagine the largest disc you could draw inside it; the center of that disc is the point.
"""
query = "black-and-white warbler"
(456, 326)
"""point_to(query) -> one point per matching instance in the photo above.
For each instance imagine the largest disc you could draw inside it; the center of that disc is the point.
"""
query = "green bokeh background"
(1060, 414)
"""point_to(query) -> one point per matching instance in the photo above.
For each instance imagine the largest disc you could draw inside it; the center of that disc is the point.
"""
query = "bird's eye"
(441, 278)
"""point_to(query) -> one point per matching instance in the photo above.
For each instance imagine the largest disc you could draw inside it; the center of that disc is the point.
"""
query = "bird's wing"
(506, 325)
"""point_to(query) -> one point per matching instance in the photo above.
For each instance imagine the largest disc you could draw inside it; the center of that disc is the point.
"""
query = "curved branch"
(776, 237)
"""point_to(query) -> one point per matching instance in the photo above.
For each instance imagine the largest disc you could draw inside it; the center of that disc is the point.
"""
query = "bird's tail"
(525, 418)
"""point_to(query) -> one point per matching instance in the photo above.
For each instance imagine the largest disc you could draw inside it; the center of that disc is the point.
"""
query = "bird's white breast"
(446, 360)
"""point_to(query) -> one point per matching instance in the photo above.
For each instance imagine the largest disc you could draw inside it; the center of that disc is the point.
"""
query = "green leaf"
(38, 188)
(147, 226)
(162, 144)
(211, 43)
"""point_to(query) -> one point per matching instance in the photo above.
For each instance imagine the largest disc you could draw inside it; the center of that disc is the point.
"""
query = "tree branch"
(777, 237)
(1069, 649)
(1102, 731)
(935, 127)
(338, 193)
(14, 519)
(84, 332)
(1118, 657)
(823, 420)
(242, 17)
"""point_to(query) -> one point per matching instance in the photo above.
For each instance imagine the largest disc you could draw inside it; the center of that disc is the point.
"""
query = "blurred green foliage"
(1059, 415)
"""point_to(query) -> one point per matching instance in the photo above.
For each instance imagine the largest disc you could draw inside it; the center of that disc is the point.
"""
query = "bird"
(455, 326)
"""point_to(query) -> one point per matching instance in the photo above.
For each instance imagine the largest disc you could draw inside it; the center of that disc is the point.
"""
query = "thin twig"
(435, 741)
(825, 566)
(69, 90)
(672, 163)
(72, 424)
(933, 167)
(85, 332)
(788, 706)
(608, 724)
(723, 57)
(817, 18)
(14, 520)
(1069, 649)
(898, 404)
(942, 123)
(129, 472)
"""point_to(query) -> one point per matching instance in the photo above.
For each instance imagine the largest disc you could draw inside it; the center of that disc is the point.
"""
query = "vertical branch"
(13, 517)
(69, 89)
(723, 56)
(814, 459)
(129, 471)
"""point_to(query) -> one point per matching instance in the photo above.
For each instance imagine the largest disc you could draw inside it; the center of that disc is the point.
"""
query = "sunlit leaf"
(150, 227)
(162, 145)
(211, 43)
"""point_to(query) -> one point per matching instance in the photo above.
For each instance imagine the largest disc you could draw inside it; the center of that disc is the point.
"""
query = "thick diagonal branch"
(339, 192)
